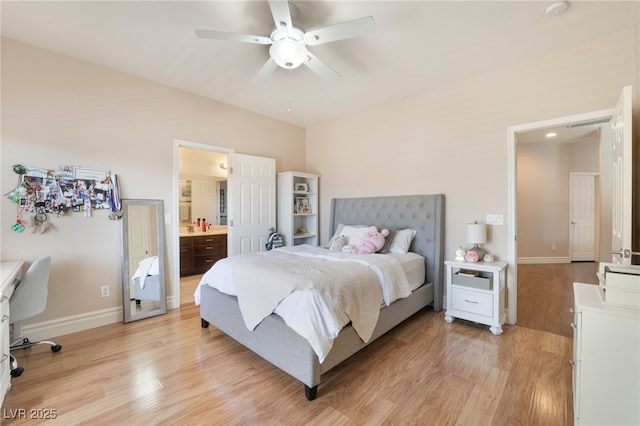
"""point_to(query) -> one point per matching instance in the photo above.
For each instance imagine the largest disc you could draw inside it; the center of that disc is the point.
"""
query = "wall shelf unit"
(298, 208)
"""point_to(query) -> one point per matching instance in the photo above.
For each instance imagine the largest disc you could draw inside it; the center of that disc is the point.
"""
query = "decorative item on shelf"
(468, 273)
(302, 206)
(301, 187)
(488, 258)
(460, 252)
(476, 234)
(301, 231)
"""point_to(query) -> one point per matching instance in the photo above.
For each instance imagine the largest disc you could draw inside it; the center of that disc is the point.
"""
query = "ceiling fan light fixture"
(288, 53)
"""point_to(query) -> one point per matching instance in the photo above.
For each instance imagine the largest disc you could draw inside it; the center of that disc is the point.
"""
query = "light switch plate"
(495, 219)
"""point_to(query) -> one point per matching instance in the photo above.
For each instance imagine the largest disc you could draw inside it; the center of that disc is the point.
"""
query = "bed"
(146, 280)
(277, 343)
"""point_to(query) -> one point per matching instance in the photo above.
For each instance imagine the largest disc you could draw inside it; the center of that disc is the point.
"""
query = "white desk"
(11, 275)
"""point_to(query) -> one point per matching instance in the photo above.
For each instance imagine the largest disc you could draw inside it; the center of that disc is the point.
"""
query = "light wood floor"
(188, 286)
(545, 294)
(168, 370)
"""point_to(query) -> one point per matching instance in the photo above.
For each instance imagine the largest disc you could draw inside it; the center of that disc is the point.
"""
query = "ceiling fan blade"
(221, 35)
(321, 68)
(350, 29)
(281, 13)
(265, 72)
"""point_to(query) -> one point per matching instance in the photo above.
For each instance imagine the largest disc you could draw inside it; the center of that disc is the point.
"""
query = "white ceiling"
(418, 46)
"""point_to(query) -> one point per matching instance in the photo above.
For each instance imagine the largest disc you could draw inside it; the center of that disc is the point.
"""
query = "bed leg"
(310, 393)
(204, 323)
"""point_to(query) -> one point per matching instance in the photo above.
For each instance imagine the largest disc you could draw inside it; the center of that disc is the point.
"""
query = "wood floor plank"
(168, 370)
(545, 294)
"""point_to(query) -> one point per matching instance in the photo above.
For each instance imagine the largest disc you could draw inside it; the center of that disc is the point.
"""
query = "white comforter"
(148, 266)
(312, 313)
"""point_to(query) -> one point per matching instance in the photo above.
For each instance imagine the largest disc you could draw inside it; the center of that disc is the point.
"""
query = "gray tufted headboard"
(424, 213)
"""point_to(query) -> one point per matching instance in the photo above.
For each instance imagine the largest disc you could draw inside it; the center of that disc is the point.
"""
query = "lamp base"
(474, 254)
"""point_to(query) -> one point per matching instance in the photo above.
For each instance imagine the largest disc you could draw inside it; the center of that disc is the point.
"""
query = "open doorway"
(559, 213)
(200, 173)
(560, 178)
(518, 137)
(618, 139)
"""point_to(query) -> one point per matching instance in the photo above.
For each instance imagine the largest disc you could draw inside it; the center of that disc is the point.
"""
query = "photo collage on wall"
(59, 191)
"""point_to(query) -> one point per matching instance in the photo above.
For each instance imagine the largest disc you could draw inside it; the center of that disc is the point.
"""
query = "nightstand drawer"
(472, 301)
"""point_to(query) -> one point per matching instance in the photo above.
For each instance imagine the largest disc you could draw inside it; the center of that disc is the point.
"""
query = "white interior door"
(139, 237)
(139, 240)
(252, 202)
(582, 212)
(622, 231)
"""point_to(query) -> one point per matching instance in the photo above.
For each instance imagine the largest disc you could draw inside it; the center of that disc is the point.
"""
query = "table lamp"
(476, 234)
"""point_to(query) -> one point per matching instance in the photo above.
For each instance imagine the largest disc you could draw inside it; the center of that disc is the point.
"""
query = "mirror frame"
(126, 290)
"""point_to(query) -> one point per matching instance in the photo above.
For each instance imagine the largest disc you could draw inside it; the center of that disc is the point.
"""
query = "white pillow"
(355, 234)
(335, 235)
(402, 241)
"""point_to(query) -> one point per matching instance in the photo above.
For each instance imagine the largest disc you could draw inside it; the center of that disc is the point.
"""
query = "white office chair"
(28, 300)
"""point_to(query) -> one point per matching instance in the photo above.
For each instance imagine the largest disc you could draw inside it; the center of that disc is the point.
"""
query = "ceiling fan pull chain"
(290, 94)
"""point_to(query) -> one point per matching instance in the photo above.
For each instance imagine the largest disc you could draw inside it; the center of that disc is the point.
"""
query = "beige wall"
(57, 110)
(453, 140)
(543, 195)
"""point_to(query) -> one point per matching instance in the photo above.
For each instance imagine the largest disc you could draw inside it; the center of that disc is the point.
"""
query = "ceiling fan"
(289, 43)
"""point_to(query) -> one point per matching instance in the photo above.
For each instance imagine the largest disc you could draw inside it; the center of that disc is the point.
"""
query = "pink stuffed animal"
(372, 242)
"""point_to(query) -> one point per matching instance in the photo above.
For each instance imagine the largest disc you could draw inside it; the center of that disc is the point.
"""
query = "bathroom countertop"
(199, 233)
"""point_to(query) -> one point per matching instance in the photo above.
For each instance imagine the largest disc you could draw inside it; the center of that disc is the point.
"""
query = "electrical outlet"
(553, 247)
(104, 291)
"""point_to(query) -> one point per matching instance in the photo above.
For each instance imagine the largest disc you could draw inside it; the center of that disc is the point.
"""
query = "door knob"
(625, 253)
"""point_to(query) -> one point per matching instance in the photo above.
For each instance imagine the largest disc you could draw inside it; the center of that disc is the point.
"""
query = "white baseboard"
(48, 330)
(535, 260)
(172, 303)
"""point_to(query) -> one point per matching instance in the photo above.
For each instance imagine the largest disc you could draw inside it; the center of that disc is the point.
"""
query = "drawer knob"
(572, 363)
(573, 325)
(571, 311)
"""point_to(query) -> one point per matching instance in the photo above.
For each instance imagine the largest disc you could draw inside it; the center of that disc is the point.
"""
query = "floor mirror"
(143, 272)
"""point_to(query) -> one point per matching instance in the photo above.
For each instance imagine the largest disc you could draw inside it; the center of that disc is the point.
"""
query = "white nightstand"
(478, 298)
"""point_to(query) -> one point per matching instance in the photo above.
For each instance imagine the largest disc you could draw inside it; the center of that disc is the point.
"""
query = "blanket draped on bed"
(263, 279)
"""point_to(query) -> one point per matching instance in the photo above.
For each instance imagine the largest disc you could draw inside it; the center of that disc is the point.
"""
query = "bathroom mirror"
(143, 277)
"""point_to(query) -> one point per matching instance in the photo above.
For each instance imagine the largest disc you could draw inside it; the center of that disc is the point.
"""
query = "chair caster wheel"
(17, 371)
(56, 348)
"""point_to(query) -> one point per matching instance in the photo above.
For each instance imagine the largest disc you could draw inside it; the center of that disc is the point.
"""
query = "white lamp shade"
(288, 53)
(476, 233)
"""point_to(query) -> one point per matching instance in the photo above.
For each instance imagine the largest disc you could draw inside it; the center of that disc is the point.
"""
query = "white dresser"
(11, 275)
(606, 360)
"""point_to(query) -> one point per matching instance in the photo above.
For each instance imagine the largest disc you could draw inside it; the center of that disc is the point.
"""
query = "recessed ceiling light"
(551, 134)
(556, 8)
